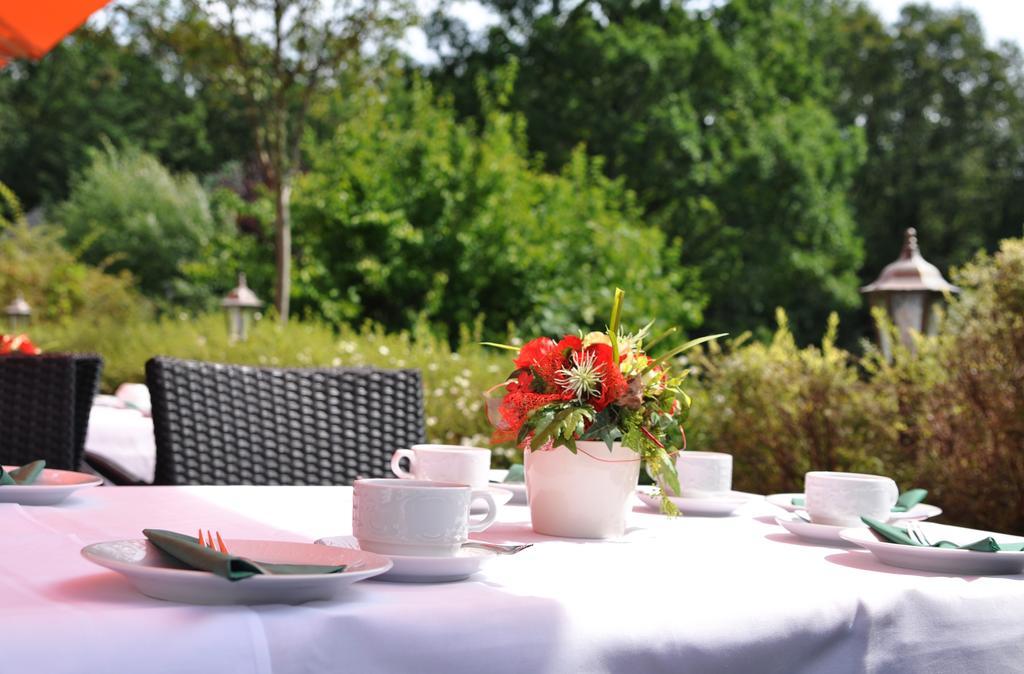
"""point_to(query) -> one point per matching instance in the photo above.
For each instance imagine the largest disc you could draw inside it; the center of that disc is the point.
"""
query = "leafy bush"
(947, 416)
(126, 212)
(782, 410)
(453, 380)
(407, 212)
(56, 286)
(971, 425)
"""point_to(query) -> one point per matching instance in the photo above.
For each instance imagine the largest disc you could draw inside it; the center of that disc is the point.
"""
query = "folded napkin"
(27, 474)
(188, 551)
(515, 473)
(900, 536)
(905, 502)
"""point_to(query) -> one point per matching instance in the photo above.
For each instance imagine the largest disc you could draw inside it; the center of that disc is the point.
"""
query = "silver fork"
(500, 548)
(915, 531)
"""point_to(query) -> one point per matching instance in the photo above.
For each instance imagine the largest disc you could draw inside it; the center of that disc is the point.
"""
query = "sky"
(1001, 19)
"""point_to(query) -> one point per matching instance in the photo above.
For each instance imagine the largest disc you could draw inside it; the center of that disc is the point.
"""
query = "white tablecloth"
(686, 595)
(124, 437)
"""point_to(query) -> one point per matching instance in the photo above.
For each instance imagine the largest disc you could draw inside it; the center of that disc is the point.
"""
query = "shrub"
(408, 212)
(58, 288)
(948, 416)
(126, 212)
(971, 424)
(782, 410)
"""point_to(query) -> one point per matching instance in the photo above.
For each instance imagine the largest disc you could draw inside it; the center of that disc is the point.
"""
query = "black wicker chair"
(45, 403)
(232, 424)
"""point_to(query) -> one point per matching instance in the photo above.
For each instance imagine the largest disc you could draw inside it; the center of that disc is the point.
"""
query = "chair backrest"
(45, 402)
(234, 424)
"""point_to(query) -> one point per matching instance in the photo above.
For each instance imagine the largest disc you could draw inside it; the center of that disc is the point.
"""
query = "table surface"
(688, 594)
(124, 437)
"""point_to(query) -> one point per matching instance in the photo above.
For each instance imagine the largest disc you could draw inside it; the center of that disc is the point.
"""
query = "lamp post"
(908, 290)
(239, 306)
(18, 313)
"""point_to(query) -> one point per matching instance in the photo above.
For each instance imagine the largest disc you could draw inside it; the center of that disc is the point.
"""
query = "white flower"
(584, 377)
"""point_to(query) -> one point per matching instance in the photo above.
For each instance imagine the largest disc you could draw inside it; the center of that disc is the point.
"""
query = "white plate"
(420, 569)
(922, 511)
(500, 495)
(810, 531)
(721, 506)
(943, 560)
(518, 489)
(157, 575)
(51, 487)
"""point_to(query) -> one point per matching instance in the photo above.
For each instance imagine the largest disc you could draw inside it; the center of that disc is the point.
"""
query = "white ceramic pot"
(582, 495)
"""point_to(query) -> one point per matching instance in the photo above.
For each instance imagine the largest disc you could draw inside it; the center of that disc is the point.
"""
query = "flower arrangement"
(599, 386)
(17, 344)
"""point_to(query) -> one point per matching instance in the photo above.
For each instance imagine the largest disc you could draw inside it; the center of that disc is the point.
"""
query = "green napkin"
(27, 474)
(188, 551)
(905, 502)
(909, 499)
(900, 536)
(515, 473)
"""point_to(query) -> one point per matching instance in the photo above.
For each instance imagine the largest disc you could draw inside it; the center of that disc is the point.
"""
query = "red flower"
(17, 344)
(535, 351)
(613, 384)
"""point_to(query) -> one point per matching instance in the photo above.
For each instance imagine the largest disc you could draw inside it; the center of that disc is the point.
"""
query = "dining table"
(123, 436)
(673, 594)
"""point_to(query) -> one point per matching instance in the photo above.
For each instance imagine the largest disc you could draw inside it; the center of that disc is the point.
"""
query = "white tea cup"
(444, 463)
(704, 474)
(136, 395)
(416, 517)
(841, 499)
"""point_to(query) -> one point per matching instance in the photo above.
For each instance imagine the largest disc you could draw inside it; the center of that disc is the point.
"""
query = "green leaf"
(613, 324)
(680, 349)
(552, 428)
(650, 345)
(496, 345)
(668, 471)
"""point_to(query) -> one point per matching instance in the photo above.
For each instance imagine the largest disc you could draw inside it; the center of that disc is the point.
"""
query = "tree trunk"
(283, 241)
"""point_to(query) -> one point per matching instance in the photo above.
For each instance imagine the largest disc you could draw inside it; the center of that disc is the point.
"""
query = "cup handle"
(396, 463)
(894, 493)
(492, 510)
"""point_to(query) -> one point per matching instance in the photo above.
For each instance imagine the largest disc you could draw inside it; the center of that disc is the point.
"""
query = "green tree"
(714, 118)
(89, 89)
(275, 58)
(944, 120)
(407, 212)
(58, 287)
(127, 212)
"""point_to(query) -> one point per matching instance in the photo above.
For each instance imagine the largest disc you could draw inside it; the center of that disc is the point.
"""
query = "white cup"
(136, 395)
(704, 474)
(841, 499)
(416, 517)
(444, 463)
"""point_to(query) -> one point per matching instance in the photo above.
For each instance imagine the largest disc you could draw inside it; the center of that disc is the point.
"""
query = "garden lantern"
(18, 313)
(239, 306)
(908, 290)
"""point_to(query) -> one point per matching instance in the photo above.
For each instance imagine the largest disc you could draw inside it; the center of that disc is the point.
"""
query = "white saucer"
(922, 511)
(420, 569)
(51, 487)
(500, 495)
(943, 560)
(518, 489)
(721, 506)
(157, 575)
(811, 531)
